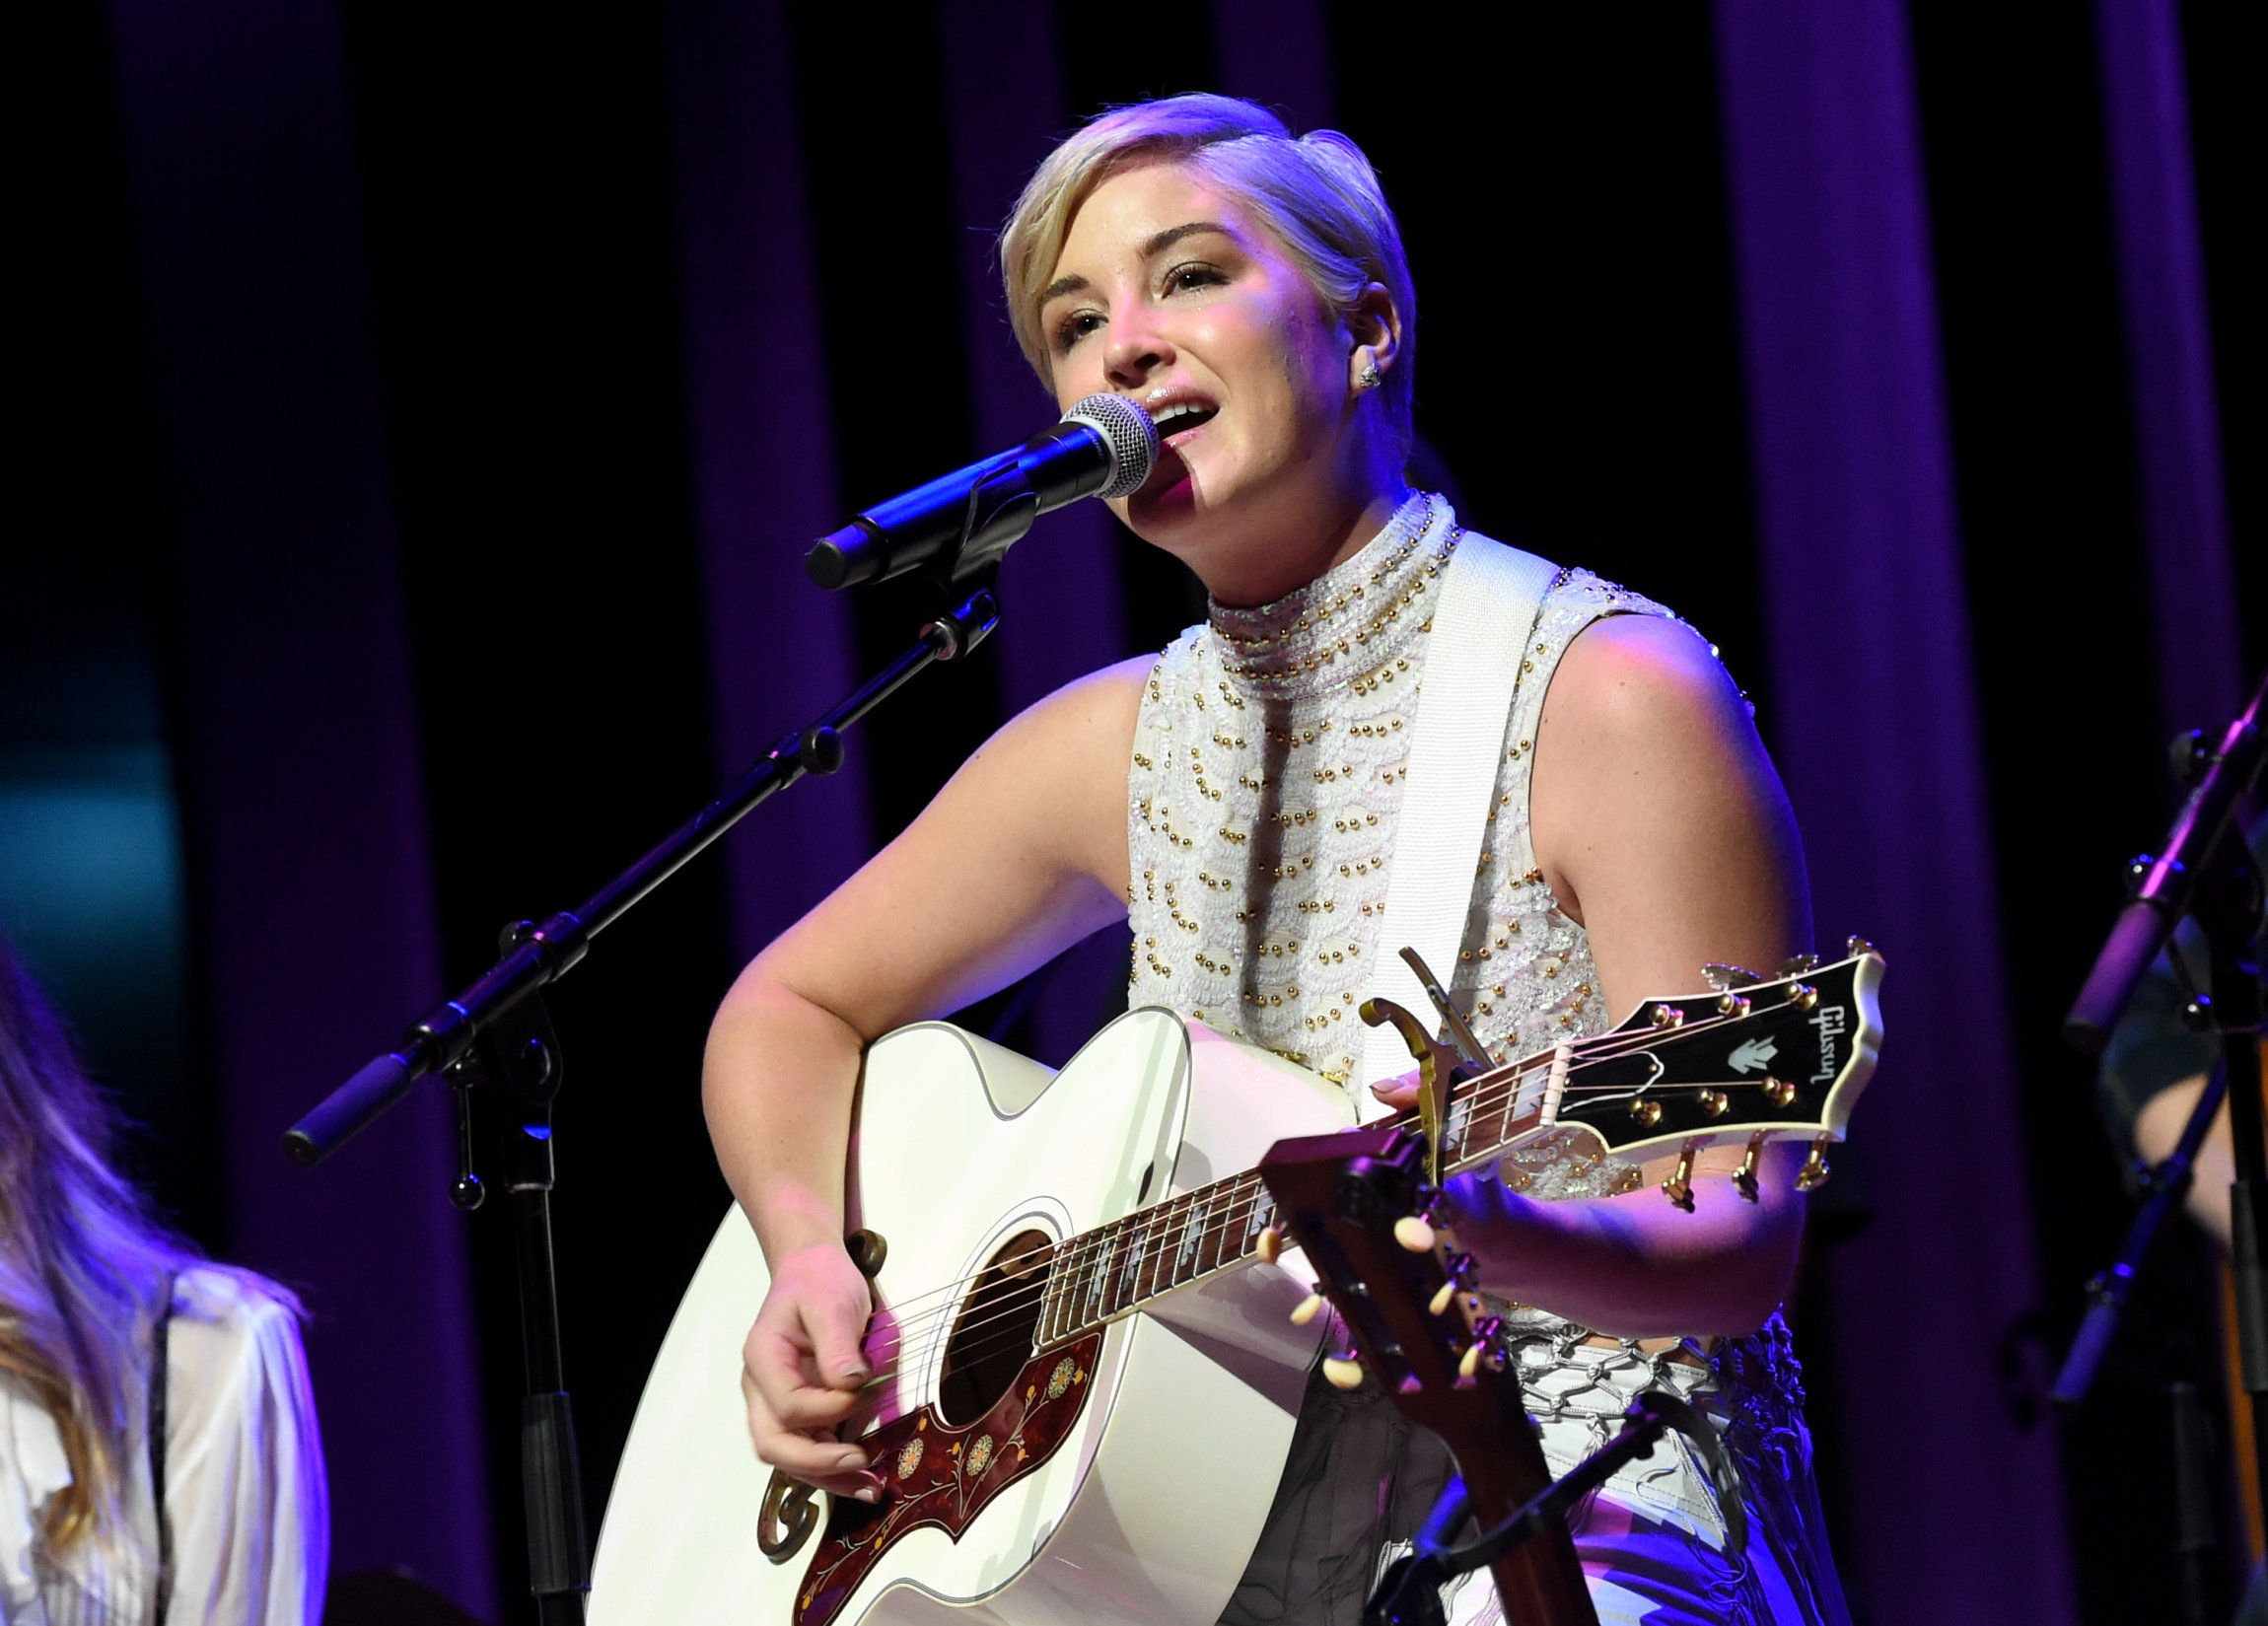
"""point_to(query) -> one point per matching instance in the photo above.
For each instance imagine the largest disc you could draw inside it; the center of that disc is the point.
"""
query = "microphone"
(1104, 447)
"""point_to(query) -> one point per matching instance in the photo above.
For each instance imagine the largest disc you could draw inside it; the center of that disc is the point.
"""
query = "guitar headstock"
(1755, 1060)
(1358, 1203)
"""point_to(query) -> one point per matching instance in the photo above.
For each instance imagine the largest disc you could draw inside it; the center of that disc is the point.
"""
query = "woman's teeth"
(1183, 416)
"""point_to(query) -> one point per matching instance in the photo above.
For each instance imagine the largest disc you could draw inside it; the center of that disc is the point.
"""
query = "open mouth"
(1183, 416)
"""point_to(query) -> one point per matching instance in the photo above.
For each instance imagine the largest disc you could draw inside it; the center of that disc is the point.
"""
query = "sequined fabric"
(1264, 791)
(1266, 781)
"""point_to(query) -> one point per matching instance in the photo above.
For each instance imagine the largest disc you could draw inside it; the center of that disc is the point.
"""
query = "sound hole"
(992, 1340)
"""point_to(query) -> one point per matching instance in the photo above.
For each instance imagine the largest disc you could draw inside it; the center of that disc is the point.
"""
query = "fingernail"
(853, 1461)
(870, 1494)
(852, 1375)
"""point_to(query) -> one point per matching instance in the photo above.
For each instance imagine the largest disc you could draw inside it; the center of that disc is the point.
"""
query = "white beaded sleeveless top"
(1265, 786)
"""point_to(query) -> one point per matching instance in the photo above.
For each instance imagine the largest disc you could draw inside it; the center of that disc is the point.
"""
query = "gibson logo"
(1832, 1022)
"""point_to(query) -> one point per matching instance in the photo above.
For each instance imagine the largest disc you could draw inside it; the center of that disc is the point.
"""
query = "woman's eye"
(1183, 279)
(1076, 326)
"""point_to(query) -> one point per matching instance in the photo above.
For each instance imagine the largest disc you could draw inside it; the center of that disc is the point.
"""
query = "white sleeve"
(245, 1486)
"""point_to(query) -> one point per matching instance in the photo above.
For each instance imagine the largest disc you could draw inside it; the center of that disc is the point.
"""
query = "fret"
(1502, 1107)
(1204, 1246)
(1076, 1314)
(1264, 1213)
(1051, 1296)
(1128, 1291)
(1099, 1274)
(1228, 1239)
(1125, 1255)
(1157, 1245)
(1164, 1232)
(1193, 1234)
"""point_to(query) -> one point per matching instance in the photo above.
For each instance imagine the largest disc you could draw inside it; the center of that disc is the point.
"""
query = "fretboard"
(1117, 1269)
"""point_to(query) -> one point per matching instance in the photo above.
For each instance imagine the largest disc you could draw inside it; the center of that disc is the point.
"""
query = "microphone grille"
(1132, 436)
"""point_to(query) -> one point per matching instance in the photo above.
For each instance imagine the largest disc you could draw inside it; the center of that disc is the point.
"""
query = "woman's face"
(1170, 293)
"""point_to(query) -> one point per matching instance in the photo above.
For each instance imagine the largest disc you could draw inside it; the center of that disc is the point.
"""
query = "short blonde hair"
(1318, 196)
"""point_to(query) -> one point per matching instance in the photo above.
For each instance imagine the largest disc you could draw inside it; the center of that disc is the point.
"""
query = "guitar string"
(1500, 1086)
(1153, 1241)
(1490, 1091)
(1034, 1332)
(1151, 1235)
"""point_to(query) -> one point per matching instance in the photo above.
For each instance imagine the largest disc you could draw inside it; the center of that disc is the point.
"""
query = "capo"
(1436, 1063)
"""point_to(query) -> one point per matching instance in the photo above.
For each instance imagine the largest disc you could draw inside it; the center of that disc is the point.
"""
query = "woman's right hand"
(803, 1369)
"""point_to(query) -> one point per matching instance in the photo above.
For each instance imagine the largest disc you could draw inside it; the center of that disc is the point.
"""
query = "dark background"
(516, 183)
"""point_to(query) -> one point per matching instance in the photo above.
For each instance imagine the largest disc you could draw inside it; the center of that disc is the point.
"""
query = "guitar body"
(1118, 1476)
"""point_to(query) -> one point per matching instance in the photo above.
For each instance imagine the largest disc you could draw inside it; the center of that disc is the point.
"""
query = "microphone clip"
(1001, 507)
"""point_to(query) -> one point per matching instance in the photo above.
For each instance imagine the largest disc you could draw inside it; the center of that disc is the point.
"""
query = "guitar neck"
(1775, 1060)
(1116, 1269)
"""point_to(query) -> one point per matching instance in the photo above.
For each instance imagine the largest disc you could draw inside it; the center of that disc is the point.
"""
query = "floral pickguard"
(939, 1476)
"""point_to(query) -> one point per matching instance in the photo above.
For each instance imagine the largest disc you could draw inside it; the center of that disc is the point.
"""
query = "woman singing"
(1251, 293)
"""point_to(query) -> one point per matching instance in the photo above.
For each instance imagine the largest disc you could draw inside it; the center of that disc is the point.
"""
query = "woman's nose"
(1137, 351)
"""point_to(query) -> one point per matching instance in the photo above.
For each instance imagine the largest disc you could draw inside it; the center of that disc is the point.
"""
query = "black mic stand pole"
(2206, 872)
(497, 1031)
(2229, 911)
(2163, 1186)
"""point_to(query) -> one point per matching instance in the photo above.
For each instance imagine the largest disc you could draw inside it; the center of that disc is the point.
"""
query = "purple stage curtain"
(314, 920)
(1004, 103)
(2169, 354)
(780, 650)
(1957, 1510)
(1060, 612)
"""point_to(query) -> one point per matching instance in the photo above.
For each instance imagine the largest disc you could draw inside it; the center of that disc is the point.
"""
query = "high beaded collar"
(1344, 624)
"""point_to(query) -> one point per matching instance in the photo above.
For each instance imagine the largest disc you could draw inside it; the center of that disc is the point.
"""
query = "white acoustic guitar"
(1089, 1376)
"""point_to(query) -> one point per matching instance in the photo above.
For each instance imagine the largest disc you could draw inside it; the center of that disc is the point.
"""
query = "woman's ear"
(1375, 327)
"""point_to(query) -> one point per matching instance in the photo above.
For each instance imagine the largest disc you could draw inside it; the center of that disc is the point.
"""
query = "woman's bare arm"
(1660, 824)
(1021, 854)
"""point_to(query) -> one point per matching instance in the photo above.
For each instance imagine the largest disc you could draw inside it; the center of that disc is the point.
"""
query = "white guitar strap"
(1490, 596)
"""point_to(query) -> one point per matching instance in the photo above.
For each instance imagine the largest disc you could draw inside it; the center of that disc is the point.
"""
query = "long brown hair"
(83, 1260)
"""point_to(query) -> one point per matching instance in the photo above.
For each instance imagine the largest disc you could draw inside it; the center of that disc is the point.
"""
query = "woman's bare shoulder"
(1635, 676)
(1087, 723)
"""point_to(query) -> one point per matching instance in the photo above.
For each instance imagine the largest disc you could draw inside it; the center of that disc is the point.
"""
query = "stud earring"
(1369, 377)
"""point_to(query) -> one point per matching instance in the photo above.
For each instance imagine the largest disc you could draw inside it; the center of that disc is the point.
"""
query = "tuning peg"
(1412, 1232)
(1744, 1178)
(1732, 1005)
(1860, 946)
(1307, 1309)
(1814, 1174)
(1795, 966)
(1666, 1015)
(1483, 1348)
(1270, 1244)
(1461, 1279)
(1723, 978)
(1803, 996)
(1343, 1371)
(1679, 1188)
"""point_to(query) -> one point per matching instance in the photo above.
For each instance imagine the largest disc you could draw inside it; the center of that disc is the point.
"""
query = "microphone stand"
(497, 1031)
(1409, 1592)
(2162, 1187)
(2206, 872)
